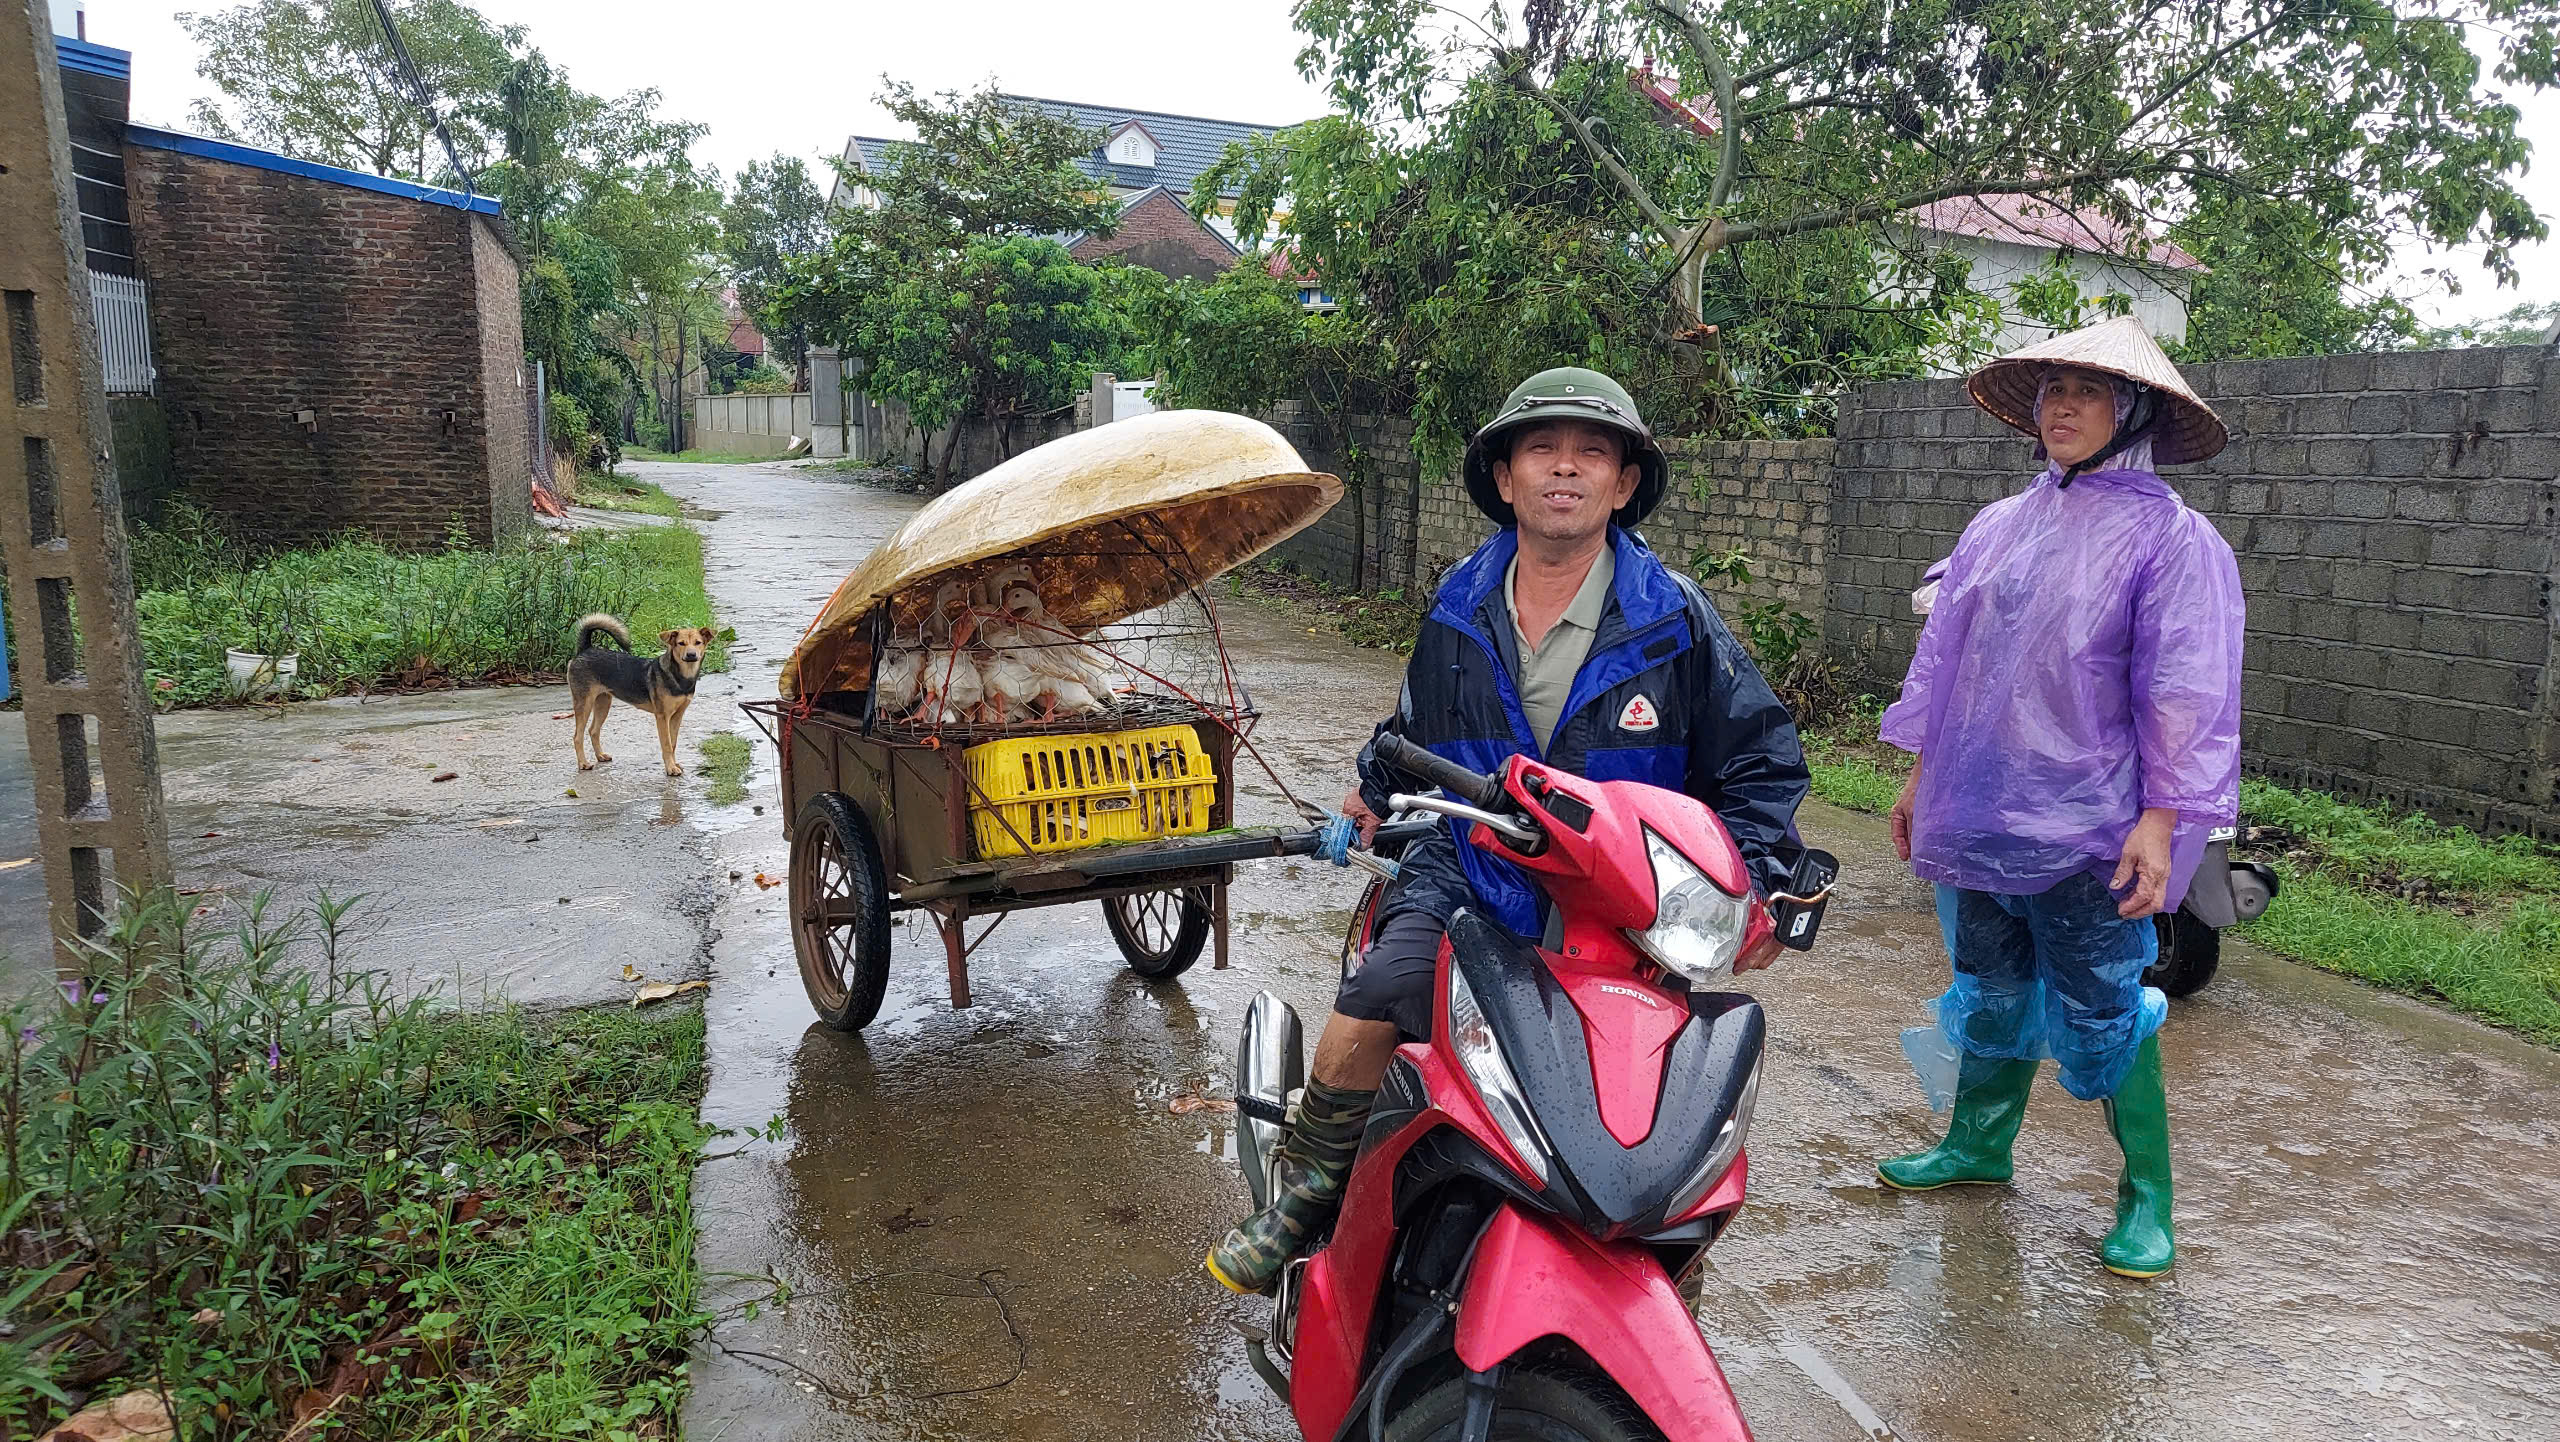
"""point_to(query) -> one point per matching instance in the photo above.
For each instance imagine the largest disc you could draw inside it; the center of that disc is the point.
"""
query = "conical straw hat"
(2188, 429)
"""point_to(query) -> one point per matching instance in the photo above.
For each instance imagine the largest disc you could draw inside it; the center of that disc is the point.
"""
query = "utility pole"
(99, 820)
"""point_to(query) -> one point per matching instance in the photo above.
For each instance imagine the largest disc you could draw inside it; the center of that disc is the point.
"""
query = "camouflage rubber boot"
(1991, 1102)
(1307, 1177)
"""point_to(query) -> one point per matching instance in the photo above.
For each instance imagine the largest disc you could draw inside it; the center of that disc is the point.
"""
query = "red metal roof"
(2034, 220)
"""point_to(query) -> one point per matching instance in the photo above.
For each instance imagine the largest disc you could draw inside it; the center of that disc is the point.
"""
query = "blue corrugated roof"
(153, 138)
(96, 59)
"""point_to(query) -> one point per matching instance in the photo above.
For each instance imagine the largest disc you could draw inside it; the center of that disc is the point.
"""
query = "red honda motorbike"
(1539, 1181)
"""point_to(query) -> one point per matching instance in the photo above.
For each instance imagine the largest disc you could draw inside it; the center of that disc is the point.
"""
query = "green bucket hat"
(1566, 393)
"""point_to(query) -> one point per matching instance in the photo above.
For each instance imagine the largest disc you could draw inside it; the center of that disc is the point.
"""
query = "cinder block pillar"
(827, 419)
(1101, 412)
(99, 823)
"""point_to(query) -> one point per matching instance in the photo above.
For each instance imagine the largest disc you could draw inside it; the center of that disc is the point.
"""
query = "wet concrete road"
(495, 884)
(989, 1222)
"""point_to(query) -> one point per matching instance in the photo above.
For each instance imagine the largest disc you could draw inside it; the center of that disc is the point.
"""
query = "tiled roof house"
(1147, 158)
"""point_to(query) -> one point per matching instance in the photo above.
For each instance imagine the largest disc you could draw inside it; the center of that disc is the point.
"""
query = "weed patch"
(364, 617)
(1386, 621)
(2501, 965)
(725, 758)
(706, 458)
(606, 491)
(237, 1174)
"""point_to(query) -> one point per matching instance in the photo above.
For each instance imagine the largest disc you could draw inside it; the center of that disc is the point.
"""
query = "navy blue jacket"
(1667, 697)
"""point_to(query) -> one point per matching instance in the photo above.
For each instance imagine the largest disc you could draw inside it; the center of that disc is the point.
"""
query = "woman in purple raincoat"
(2073, 712)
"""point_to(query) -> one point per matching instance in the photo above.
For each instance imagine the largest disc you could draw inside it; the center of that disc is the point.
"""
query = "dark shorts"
(1395, 975)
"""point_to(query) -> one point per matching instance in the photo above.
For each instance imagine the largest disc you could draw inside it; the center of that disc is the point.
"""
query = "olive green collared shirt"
(1547, 670)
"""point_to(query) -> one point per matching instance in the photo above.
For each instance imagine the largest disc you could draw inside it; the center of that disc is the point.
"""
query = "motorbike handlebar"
(1476, 789)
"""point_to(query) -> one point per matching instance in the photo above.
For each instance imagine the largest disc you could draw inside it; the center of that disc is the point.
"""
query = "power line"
(404, 77)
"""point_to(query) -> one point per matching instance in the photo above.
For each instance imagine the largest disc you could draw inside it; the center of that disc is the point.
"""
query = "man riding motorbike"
(1566, 638)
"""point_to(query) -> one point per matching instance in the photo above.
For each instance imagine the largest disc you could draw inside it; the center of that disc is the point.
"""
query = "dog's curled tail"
(589, 627)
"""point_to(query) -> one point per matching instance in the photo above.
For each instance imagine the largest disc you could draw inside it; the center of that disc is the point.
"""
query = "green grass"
(605, 491)
(2404, 902)
(242, 1173)
(2409, 855)
(1857, 775)
(725, 757)
(365, 617)
(707, 458)
(2501, 965)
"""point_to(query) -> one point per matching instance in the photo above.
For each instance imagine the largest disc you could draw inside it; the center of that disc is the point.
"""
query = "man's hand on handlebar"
(1361, 816)
(1758, 957)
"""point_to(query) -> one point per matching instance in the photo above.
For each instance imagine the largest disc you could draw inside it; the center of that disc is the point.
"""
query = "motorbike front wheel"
(2190, 952)
(1535, 1405)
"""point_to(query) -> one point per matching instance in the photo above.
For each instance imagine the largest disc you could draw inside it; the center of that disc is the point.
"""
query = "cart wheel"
(1160, 932)
(839, 912)
(2190, 953)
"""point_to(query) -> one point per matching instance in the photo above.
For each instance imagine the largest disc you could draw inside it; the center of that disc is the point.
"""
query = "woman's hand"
(2145, 865)
(1902, 811)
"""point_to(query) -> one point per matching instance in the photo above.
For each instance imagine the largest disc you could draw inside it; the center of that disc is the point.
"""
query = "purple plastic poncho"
(2081, 664)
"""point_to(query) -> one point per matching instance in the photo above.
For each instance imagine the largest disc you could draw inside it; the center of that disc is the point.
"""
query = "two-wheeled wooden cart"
(900, 803)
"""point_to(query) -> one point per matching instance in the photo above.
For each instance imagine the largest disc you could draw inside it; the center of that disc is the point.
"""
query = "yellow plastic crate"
(1062, 792)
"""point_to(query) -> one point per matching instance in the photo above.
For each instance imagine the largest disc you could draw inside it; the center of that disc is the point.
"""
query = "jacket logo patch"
(1639, 715)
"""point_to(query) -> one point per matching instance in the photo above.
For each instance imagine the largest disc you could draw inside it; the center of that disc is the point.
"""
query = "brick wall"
(392, 321)
(506, 382)
(1161, 235)
(2393, 516)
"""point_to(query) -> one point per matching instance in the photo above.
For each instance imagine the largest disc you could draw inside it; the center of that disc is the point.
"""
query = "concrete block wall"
(2393, 516)
(1771, 498)
(394, 322)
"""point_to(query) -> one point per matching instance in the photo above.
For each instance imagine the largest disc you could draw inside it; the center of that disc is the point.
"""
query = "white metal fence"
(122, 306)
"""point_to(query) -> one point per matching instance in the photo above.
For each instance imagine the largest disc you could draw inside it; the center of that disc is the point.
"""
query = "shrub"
(365, 616)
(239, 1173)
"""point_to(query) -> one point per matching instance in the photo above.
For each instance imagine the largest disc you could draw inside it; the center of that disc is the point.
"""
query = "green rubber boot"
(2142, 1244)
(1308, 1174)
(1991, 1102)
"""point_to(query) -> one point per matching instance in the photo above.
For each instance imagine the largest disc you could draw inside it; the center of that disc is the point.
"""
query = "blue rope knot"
(1334, 836)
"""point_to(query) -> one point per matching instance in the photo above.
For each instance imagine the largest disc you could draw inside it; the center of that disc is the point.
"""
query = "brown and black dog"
(661, 685)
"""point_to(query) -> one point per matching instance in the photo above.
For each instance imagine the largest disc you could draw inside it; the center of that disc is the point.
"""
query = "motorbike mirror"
(1796, 913)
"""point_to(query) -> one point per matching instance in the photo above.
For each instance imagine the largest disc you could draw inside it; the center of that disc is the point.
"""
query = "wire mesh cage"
(979, 653)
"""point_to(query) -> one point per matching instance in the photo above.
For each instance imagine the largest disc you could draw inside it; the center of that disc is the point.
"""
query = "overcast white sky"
(799, 77)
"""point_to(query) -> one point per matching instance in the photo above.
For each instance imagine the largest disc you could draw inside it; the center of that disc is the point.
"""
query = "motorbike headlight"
(1697, 925)
(1473, 1040)
(1719, 1158)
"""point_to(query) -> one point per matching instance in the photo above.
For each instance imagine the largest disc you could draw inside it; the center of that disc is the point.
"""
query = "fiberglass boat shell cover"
(1113, 521)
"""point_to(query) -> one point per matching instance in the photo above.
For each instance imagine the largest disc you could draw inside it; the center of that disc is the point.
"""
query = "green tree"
(1012, 329)
(2520, 325)
(310, 78)
(939, 290)
(774, 213)
(2369, 117)
(1237, 343)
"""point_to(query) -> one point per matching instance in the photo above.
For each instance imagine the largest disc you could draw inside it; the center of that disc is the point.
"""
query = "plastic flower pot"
(252, 674)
